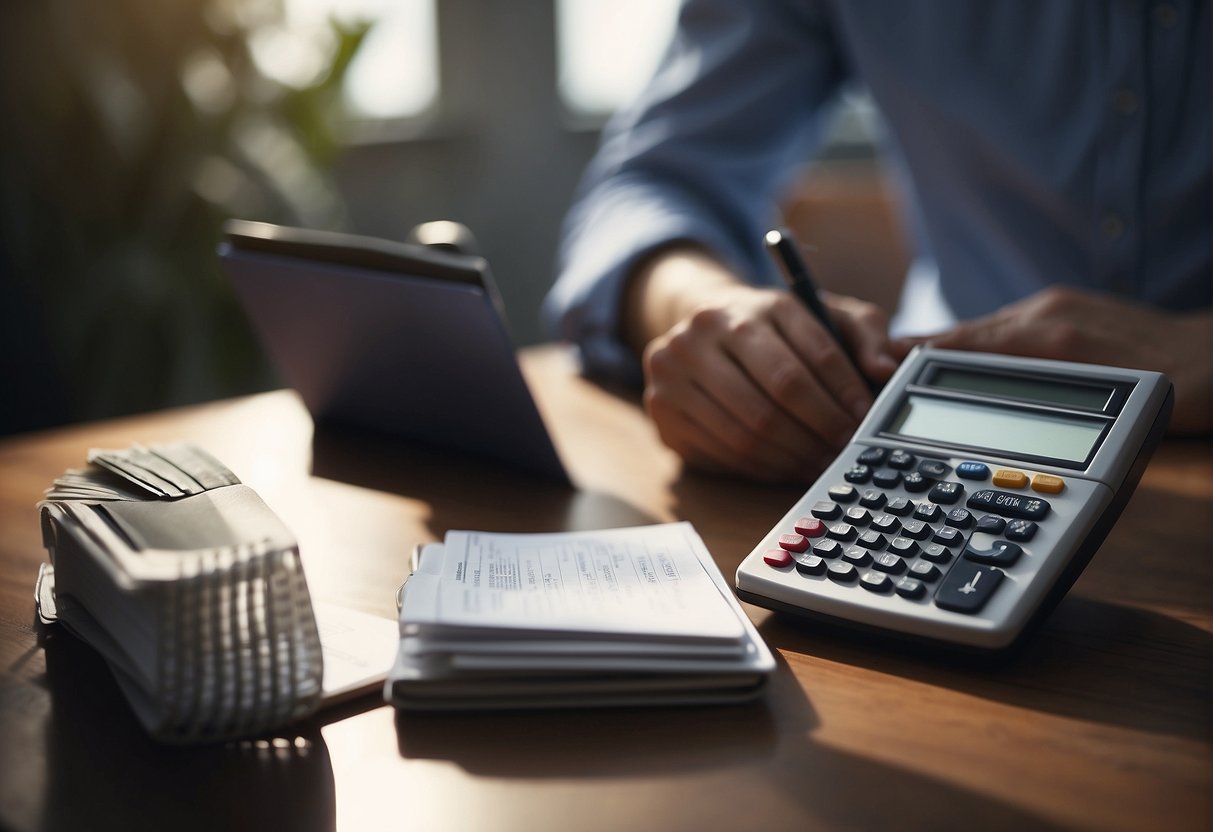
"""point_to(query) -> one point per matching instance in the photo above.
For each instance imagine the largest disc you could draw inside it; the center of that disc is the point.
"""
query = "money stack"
(189, 586)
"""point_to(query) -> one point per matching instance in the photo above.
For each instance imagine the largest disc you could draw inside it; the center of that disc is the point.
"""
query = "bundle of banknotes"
(189, 585)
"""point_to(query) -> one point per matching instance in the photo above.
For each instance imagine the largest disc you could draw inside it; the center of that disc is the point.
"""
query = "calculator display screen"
(1089, 397)
(1053, 435)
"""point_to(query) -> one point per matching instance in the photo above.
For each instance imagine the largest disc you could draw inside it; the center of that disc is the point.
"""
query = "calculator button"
(928, 512)
(924, 571)
(916, 529)
(991, 524)
(886, 478)
(998, 552)
(828, 549)
(947, 535)
(967, 587)
(874, 581)
(903, 546)
(858, 473)
(826, 510)
(909, 588)
(934, 468)
(936, 553)
(888, 562)
(886, 524)
(857, 556)
(946, 492)
(777, 557)
(1009, 505)
(843, 493)
(902, 460)
(973, 470)
(858, 516)
(1022, 530)
(873, 498)
(841, 571)
(810, 527)
(901, 506)
(1005, 478)
(960, 518)
(873, 456)
(1048, 484)
(807, 564)
(916, 483)
(841, 531)
(871, 540)
(793, 542)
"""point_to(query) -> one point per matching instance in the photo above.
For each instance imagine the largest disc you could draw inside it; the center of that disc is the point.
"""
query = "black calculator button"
(924, 571)
(858, 473)
(841, 571)
(843, 493)
(841, 531)
(927, 512)
(909, 588)
(808, 564)
(828, 549)
(901, 506)
(1021, 530)
(991, 524)
(947, 536)
(916, 529)
(873, 456)
(946, 493)
(826, 510)
(960, 518)
(967, 587)
(858, 516)
(973, 470)
(874, 581)
(871, 540)
(857, 556)
(872, 498)
(916, 483)
(936, 553)
(934, 468)
(886, 524)
(904, 546)
(998, 553)
(886, 478)
(889, 562)
(901, 460)
(1009, 505)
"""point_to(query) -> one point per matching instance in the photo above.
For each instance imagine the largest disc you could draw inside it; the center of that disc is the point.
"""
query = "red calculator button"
(810, 527)
(793, 542)
(777, 557)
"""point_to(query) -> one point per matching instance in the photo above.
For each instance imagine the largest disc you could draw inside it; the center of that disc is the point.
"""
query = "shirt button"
(1166, 15)
(1112, 227)
(1124, 101)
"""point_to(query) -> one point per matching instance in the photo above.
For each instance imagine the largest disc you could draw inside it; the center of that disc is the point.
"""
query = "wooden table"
(1102, 722)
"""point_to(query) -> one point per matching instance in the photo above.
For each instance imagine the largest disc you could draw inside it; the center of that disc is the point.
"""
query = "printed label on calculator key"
(1009, 505)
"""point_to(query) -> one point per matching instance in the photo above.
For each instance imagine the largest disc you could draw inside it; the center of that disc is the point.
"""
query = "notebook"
(400, 339)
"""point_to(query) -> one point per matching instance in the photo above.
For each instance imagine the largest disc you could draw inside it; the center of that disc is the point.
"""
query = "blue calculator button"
(973, 470)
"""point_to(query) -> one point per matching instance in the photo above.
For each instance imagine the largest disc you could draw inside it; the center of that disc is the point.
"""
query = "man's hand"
(1074, 325)
(744, 380)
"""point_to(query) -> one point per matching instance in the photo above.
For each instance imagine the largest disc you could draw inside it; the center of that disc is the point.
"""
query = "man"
(1058, 156)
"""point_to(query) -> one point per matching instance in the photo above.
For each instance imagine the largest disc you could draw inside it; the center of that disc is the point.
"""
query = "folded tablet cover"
(422, 355)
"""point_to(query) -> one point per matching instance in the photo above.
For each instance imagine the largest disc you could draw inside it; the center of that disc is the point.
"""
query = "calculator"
(969, 500)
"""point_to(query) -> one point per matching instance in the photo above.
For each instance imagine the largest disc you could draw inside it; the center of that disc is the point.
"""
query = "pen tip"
(773, 237)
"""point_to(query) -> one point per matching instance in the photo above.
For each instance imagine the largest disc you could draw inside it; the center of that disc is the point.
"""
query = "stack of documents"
(618, 617)
(188, 585)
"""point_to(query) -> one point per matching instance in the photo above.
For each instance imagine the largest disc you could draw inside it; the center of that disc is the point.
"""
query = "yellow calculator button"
(1048, 484)
(1005, 478)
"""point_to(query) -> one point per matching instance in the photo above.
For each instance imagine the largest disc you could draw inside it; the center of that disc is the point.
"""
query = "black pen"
(796, 272)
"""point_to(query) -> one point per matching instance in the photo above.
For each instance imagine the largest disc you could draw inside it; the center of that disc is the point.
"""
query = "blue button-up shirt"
(1046, 142)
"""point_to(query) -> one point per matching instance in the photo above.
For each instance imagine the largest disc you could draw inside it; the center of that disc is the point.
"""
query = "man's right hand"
(746, 381)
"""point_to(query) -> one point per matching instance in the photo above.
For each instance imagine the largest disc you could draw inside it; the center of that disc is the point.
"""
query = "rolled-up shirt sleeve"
(735, 107)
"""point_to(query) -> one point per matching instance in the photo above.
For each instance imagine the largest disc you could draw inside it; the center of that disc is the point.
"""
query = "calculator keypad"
(936, 548)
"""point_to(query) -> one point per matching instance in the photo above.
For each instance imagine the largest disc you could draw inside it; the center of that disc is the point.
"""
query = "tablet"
(396, 338)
